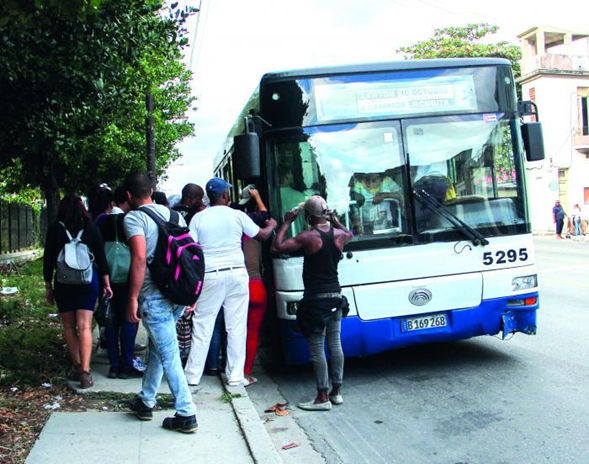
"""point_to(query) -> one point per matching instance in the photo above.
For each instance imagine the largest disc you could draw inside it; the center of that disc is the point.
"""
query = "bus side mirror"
(246, 155)
(533, 141)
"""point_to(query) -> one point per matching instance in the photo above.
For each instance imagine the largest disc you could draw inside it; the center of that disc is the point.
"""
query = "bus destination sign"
(337, 101)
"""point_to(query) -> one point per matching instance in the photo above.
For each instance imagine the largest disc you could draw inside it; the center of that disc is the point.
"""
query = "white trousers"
(228, 290)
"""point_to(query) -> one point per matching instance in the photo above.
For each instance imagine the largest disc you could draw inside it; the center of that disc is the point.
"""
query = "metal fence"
(21, 227)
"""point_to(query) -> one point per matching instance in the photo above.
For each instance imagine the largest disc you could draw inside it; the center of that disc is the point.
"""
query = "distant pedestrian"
(219, 230)
(577, 218)
(75, 302)
(558, 216)
(323, 306)
(159, 314)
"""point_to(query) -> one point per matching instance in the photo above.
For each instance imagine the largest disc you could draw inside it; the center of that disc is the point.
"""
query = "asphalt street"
(482, 400)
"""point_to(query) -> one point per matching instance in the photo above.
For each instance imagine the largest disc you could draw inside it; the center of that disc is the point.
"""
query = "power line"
(203, 10)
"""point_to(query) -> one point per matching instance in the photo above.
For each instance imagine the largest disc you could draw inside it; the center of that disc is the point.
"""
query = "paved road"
(484, 400)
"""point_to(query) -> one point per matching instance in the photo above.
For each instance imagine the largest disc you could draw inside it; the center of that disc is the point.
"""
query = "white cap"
(245, 194)
(316, 206)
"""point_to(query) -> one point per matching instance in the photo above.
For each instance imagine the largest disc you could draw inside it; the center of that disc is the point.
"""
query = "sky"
(233, 43)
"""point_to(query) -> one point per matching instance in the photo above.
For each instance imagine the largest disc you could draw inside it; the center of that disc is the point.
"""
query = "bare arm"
(259, 203)
(292, 244)
(136, 275)
(264, 234)
(347, 235)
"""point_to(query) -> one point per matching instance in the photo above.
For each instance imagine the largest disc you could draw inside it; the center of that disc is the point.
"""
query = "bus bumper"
(362, 338)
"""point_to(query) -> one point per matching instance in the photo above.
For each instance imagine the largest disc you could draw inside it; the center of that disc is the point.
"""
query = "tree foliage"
(73, 92)
(464, 42)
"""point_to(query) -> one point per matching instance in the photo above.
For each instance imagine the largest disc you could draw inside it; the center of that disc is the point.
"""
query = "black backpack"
(178, 264)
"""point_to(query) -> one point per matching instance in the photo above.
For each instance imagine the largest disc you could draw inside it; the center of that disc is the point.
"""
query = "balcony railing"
(558, 62)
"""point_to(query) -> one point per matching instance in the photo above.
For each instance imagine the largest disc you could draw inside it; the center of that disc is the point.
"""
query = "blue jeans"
(218, 345)
(120, 334)
(159, 317)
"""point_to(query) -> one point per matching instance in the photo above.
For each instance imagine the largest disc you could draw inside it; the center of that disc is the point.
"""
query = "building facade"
(555, 75)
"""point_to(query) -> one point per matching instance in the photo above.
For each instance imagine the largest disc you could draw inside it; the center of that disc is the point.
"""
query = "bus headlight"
(292, 307)
(524, 283)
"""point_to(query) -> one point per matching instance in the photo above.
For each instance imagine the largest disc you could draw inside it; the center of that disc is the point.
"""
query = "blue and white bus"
(424, 162)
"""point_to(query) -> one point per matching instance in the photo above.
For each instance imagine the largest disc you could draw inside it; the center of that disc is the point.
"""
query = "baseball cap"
(245, 194)
(316, 206)
(217, 185)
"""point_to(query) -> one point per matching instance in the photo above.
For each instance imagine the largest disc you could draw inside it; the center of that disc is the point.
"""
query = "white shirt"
(219, 230)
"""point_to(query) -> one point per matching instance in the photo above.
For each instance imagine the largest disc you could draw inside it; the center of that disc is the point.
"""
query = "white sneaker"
(312, 406)
(336, 399)
(235, 383)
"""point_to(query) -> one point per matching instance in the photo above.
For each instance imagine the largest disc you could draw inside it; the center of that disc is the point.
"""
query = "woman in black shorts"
(75, 303)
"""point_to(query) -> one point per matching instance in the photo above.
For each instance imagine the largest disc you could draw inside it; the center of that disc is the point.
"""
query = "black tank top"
(320, 268)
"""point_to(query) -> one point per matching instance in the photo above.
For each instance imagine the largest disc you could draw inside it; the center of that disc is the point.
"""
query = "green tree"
(73, 94)
(464, 42)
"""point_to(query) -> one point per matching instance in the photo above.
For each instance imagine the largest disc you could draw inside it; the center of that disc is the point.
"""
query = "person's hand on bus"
(271, 222)
(291, 216)
(378, 198)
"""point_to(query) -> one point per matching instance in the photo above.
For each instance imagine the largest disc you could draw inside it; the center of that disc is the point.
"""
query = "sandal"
(249, 380)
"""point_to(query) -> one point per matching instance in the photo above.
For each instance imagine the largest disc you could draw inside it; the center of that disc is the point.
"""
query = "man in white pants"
(219, 230)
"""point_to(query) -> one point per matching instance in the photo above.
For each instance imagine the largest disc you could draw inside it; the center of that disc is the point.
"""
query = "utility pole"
(150, 132)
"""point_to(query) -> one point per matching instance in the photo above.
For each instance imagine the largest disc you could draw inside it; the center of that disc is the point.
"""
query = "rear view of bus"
(424, 162)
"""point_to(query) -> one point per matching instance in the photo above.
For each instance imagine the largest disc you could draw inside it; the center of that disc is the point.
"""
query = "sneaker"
(86, 380)
(184, 424)
(130, 373)
(336, 399)
(312, 406)
(143, 412)
(113, 373)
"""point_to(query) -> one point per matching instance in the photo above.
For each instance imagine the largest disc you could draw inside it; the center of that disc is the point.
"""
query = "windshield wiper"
(473, 235)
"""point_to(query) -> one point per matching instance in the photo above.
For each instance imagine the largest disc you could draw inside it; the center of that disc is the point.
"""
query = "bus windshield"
(368, 173)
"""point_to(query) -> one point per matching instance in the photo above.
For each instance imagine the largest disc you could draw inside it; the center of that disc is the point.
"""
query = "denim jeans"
(336, 354)
(218, 346)
(120, 334)
(159, 316)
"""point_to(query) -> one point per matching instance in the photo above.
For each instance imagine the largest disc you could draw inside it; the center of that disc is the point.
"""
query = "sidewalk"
(229, 431)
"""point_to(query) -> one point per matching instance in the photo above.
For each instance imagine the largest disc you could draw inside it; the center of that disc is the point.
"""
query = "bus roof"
(404, 65)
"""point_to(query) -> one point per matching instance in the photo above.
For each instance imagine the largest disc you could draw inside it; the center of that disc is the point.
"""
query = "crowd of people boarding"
(220, 331)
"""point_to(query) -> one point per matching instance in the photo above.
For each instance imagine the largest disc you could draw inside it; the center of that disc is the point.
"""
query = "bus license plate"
(431, 321)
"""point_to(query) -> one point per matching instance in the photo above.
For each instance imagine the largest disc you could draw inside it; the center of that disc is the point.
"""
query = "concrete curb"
(259, 442)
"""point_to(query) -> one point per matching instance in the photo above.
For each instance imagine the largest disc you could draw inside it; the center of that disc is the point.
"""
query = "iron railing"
(21, 227)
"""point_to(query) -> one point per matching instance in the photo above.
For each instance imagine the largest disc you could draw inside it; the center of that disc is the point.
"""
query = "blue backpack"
(178, 264)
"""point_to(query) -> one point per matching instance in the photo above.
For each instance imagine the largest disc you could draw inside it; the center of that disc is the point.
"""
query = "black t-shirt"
(186, 212)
